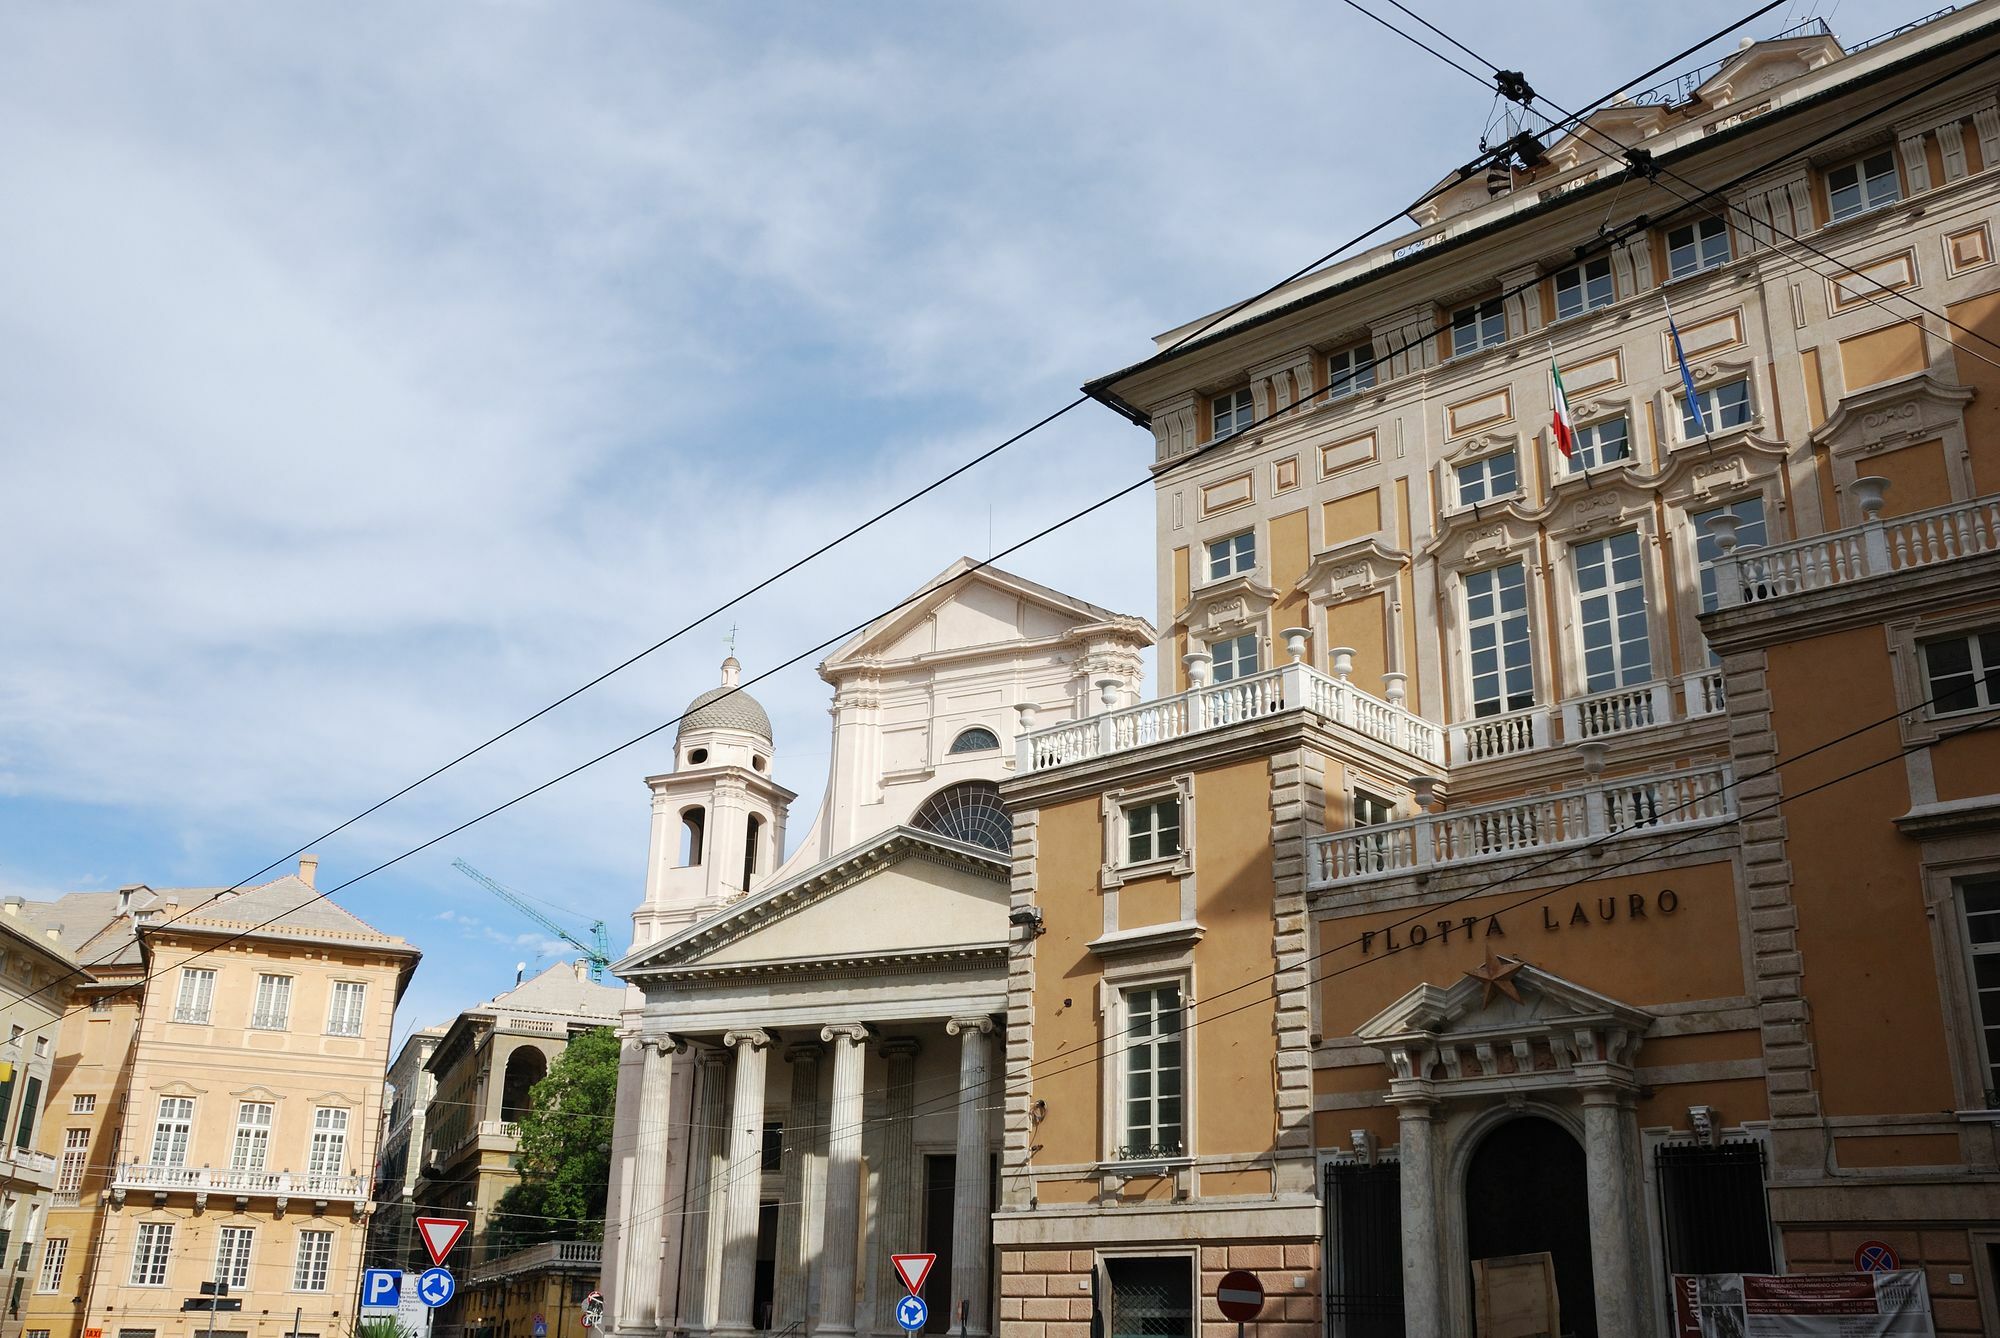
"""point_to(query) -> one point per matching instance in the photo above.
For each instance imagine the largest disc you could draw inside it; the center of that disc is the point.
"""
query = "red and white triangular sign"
(440, 1234)
(913, 1268)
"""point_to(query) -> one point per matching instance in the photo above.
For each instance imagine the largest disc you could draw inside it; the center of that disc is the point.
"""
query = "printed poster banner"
(1802, 1305)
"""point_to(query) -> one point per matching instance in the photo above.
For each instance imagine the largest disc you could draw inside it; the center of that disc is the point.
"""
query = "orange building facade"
(1554, 870)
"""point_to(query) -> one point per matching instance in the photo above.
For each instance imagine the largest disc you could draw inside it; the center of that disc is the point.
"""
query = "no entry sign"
(1239, 1296)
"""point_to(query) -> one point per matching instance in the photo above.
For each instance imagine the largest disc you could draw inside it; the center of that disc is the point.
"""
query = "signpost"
(912, 1313)
(436, 1287)
(381, 1288)
(593, 1310)
(541, 1326)
(1872, 1256)
(440, 1234)
(913, 1269)
(1239, 1296)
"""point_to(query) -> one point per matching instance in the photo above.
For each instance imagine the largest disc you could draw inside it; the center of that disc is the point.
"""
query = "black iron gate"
(1713, 1211)
(1364, 1250)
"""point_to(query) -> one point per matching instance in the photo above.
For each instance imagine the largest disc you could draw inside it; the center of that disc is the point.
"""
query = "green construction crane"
(599, 955)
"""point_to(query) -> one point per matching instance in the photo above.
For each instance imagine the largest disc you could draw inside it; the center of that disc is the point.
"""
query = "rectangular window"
(1350, 371)
(253, 1137)
(1152, 1073)
(1584, 287)
(1481, 325)
(1232, 556)
(101, 1004)
(83, 1103)
(315, 1253)
(1722, 407)
(1484, 480)
(344, 1009)
(1713, 1210)
(329, 1144)
(31, 1109)
(1750, 533)
(1499, 657)
(1234, 658)
(170, 1132)
(1696, 247)
(75, 1157)
(55, 1250)
(1372, 810)
(1963, 672)
(197, 994)
(232, 1255)
(273, 1009)
(1152, 831)
(151, 1248)
(1611, 612)
(1864, 184)
(1601, 444)
(1231, 412)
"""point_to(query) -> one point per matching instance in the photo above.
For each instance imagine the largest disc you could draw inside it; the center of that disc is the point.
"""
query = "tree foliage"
(564, 1149)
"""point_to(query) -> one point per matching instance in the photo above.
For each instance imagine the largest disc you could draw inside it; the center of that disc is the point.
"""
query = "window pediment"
(1483, 444)
(1482, 535)
(1227, 605)
(1695, 479)
(1351, 570)
(1895, 413)
(1605, 498)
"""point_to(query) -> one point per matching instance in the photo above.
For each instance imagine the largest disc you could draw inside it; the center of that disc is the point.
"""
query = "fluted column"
(700, 1202)
(1423, 1303)
(644, 1209)
(742, 1183)
(801, 1124)
(843, 1180)
(897, 1211)
(972, 1197)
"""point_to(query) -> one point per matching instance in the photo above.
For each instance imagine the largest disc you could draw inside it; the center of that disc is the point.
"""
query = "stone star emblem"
(1496, 976)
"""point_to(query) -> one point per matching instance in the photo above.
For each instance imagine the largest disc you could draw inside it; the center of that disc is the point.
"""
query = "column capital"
(854, 1033)
(754, 1037)
(712, 1056)
(900, 1047)
(803, 1052)
(981, 1023)
(663, 1044)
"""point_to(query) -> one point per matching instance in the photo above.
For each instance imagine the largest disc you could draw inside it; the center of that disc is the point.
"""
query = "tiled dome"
(727, 707)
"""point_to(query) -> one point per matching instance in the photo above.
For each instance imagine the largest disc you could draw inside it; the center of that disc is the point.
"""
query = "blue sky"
(376, 373)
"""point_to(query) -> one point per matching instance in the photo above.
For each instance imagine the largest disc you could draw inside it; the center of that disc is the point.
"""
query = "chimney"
(582, 969)
(308, 869)
(54, 932)
(12, 905)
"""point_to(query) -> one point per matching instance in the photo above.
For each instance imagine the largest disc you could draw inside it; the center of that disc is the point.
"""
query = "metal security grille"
(1151, 1298)
(1713, 1210)
(1364, 1250)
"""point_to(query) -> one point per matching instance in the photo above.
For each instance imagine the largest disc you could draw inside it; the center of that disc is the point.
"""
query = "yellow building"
(215, 1097)
(533, 1293)
(1471, 927)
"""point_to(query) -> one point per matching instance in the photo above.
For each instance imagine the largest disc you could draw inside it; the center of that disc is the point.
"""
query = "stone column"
(801, 1122)
(700, 1202)
(1609, 1137)
(843, 1180)
(1424, 1282)
(742, 1184)
(899, 1180)
(643, 1212)
(972, 1193)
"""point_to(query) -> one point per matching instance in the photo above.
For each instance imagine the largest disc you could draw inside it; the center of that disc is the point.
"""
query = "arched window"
(978, 739)
(693, 823)
(525, 1067)
(971, 812)
(752, 832)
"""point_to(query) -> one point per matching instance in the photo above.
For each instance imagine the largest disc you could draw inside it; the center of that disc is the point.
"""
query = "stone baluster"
(843, 1181)
(972, 1202)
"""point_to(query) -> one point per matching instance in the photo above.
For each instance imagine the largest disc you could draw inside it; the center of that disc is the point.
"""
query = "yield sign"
(440, 1234)
(913, 1269)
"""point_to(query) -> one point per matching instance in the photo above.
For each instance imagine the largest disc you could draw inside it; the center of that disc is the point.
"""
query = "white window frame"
(350, 1019)
(1985, 684)
(152, 1252)
(1468, 622)
(1478, 319)
(1589, 451)
(55, 1254)
(83, 1103)
(1592, 284)
(250, 1149)
(328, 1156)
(312, 1261)
(271, 1009)
(173, 1119)
(194, 1001)
(1366, 808)
(1480, 470)
(1702, 233)
(1238, 648)
(1115, 871)
(1868, 197)
(1122, 974)
(1349, 371)
(1622, 674)
(1236, 408)
(75, 1161)
(232, 1266)
(1231, 555)
(1154, 833)
(1709, 397)
(1155, 1150)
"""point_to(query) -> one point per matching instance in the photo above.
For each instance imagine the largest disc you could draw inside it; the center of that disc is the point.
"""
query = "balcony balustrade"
(1562, 819)
(1873, 548)
(145, 1176)
(556, 1256)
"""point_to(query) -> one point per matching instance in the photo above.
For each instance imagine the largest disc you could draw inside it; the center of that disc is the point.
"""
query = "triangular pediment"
(968, 606)
(1762, 67)
(901, 895)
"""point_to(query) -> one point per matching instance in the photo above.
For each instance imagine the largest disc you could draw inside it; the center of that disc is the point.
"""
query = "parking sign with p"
(381, 1288)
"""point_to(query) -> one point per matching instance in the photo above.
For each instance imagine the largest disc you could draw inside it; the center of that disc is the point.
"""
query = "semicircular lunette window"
(978, 739)
(971, 813)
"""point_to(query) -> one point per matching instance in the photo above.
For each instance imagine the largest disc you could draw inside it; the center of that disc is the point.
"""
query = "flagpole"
(1687, 376)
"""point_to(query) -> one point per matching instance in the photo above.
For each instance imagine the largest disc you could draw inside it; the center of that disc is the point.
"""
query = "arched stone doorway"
(1526, 1192)
(525, 1067)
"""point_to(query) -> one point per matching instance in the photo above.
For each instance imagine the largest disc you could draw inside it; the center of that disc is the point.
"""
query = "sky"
(375, 374)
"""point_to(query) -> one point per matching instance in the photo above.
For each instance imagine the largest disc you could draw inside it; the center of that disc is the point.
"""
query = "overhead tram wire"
(1461, 175)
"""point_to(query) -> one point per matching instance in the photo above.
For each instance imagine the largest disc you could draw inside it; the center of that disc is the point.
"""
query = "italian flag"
(1564, 430)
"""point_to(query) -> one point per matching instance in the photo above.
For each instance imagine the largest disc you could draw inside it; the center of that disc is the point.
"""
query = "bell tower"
(718, 817)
